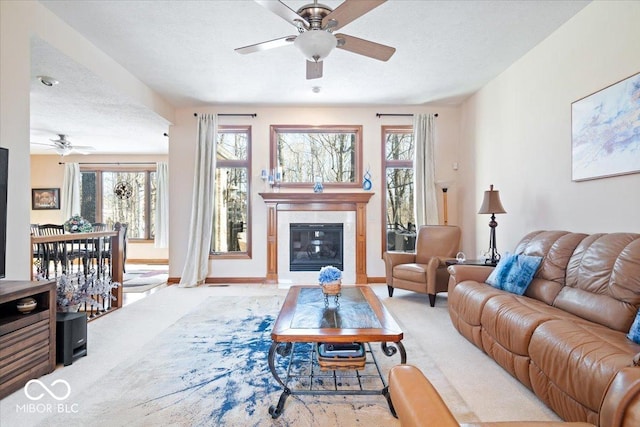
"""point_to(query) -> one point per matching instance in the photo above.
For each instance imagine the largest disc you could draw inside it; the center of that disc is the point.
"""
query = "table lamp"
(491, 205)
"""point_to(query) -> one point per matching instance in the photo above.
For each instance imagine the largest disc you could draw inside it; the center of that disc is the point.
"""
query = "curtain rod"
(113, 163)
(398, 114)
(232, 114)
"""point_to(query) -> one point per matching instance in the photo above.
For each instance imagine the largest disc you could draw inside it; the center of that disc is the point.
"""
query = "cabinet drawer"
(23, 337)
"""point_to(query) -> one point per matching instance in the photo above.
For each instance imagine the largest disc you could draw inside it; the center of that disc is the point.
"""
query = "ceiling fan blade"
(365, 47)
(82, 147)
(314, 70)
(258, 47)
(349, 11)
(283, 11)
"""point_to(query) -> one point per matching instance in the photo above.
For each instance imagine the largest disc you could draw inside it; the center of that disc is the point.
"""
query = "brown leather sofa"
(565, 338)
(418, 404)
(424, 270)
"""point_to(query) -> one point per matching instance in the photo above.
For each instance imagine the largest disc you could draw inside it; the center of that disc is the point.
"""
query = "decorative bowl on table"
(26, 305)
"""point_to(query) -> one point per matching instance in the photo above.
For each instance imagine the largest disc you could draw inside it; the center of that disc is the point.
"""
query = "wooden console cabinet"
(27, 341)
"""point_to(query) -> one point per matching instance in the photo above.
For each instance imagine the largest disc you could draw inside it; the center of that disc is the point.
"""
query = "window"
(332, 154)
(231, 210)
(120, 195)
(399, 232)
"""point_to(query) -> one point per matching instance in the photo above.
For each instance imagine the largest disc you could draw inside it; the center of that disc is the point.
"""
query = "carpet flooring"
(197, 356)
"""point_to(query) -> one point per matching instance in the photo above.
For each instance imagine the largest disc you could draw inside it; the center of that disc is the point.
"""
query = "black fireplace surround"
(312, 246)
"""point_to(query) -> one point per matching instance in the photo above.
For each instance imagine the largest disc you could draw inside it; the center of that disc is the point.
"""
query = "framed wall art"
(45, 198)
(605, 131)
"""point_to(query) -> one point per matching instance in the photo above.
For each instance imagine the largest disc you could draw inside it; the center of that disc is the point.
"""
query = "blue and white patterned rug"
(210, 369)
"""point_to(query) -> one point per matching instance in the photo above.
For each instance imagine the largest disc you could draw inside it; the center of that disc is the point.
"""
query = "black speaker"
(71, 337)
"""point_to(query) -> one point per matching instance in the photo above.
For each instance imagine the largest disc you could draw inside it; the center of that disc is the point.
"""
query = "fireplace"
(314, 245)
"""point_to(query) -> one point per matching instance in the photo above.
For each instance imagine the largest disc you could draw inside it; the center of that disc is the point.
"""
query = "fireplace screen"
(312, 246)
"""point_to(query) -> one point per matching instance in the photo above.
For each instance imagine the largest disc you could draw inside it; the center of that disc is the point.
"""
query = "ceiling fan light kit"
(316, 45)
(315, 23)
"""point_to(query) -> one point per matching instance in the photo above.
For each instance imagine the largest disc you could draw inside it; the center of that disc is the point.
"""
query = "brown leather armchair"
(425, 270)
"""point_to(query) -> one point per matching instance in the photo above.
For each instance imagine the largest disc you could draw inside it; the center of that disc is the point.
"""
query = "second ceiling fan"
(316, 23)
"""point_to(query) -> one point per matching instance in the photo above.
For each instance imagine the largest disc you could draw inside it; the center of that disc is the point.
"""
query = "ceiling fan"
(64, 147)
(316, 23)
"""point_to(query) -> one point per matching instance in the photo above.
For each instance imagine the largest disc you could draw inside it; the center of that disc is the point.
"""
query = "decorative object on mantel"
(317, 186)
(273, 179)
(330, 279)
(77, 224)
(366, 181)
(77, 289)
(26, 305)
(492, 205)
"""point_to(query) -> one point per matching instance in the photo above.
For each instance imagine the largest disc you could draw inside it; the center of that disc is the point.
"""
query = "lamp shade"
(491, 203)
(315, 45)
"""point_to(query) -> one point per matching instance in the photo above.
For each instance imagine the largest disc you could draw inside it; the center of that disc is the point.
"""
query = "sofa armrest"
(621, 404)
(416, 401)
(391, 259)
(460, 273)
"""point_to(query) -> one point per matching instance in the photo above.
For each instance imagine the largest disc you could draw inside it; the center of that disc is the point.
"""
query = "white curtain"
(71, 191)
(197, 259)
(162, 206)
(426, 204)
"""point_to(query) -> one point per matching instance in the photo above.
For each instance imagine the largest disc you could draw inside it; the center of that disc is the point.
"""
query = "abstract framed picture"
(45, 198)
(605, 131)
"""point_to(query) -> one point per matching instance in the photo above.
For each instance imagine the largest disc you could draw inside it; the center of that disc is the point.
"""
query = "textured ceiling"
(184, 50)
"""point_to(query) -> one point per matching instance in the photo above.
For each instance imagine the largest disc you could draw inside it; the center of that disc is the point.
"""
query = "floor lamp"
(444, 186)
(491, 205)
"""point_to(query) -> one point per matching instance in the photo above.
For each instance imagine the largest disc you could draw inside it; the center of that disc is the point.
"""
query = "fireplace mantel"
(356, 201)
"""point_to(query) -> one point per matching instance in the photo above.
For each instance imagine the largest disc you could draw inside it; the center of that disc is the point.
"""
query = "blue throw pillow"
(514, 273)
(634, 332)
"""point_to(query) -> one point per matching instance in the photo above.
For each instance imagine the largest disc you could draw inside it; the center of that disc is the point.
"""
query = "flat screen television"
(4, 176)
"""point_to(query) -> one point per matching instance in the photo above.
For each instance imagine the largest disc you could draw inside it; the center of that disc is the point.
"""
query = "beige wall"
(46, 172)
(182, 151)
(516, 132)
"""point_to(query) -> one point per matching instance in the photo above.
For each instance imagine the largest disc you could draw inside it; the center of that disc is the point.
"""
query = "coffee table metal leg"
(276, 411)
(390, 350)
(283, 349)
(385, 392)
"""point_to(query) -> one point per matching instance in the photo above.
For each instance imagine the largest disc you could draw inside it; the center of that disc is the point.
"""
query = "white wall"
(182, 139)
(516, 132)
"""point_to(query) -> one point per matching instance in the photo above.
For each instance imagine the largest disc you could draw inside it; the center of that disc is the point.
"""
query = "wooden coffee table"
(305, 321)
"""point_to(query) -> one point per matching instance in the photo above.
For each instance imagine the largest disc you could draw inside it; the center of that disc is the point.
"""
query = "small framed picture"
(45, 198)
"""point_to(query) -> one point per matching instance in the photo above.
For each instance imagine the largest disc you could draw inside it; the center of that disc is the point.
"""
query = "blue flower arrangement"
(329, 274)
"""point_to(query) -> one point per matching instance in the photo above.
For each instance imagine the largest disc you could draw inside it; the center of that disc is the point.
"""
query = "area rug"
(144, 280)
(210, 369)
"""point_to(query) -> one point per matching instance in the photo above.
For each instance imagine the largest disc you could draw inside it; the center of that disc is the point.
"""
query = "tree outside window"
(124, 196)
(231, 194)
(398, 208)
(331, 154)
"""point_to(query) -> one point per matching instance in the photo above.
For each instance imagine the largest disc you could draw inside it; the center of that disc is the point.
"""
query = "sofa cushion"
(514, 273)
(556, 248)
(568, 350)
(603, 280)
(634, 332)
(412, 272)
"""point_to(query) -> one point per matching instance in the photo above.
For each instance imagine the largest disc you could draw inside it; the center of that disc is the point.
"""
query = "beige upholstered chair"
(425, 270)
